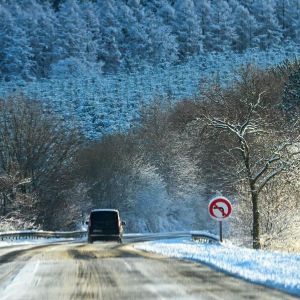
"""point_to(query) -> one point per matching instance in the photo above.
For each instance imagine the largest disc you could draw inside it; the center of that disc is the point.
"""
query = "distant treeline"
(39, 38)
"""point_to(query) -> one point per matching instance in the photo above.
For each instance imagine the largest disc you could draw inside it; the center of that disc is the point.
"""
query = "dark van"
(105, 225)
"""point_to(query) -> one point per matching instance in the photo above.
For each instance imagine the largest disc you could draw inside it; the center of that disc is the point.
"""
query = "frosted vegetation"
(97, 62)
(119, 104)
(99, 104)
(41, 39)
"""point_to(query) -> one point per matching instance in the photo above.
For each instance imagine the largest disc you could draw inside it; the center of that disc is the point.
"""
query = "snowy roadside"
(273, 269)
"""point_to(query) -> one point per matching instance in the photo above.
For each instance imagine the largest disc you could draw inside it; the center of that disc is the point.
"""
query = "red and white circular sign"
(219, 208)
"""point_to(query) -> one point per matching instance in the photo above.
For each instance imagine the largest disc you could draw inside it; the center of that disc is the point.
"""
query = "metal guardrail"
(199, 236)
(32, 234)
(204, 237)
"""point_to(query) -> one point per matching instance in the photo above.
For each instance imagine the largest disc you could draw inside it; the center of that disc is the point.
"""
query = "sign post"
(221, 231)
(220, 209)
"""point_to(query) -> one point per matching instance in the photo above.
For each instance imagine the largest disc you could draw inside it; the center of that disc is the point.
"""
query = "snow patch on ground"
(273, 269)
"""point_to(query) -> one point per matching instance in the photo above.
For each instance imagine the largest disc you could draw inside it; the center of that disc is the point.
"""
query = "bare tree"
(254, 134)
(17, 209)
(36, 154)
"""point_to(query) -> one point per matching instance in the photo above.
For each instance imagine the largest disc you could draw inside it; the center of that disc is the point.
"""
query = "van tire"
(90, 240)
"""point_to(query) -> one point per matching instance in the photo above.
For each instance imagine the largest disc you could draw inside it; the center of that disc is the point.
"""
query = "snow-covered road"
(77, 270)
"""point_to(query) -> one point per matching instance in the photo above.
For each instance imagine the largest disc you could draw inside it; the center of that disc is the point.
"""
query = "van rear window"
(106, 221)
(104, 216)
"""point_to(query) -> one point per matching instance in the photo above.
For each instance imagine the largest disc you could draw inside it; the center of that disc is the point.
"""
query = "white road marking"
(23, 281)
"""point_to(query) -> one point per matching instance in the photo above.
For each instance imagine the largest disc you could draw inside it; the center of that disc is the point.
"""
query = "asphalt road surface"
(107, 270)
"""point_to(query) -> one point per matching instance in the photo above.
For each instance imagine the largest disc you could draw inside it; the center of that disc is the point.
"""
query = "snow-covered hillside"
(99, 104)
(40, 38)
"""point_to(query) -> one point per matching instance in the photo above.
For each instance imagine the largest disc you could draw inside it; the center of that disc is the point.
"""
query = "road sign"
(219, 208)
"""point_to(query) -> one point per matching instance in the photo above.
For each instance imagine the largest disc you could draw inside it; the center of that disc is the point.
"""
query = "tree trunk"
(256, 220)
(3, 205)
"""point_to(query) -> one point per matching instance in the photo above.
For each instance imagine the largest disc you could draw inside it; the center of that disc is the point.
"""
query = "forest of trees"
(237, 135)
(242, 141)
(41, 38)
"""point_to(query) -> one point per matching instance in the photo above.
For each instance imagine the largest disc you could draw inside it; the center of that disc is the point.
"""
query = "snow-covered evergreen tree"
(16, 53)
(205, 15)
(72, 37)
(221, 33)
(133, 38)
(109, 52)
(268, 31)
(187, 29)
(43, 41)
(288, 14)
(246, 3)
(94, 35)
(163, 9)
(245, 26)
(163, 49)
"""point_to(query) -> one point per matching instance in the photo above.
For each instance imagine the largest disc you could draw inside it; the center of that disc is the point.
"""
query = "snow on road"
(274, 269)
